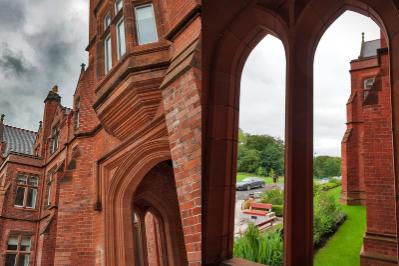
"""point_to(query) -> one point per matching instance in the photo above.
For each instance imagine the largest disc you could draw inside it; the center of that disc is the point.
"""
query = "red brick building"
(367, 149)
(145, 162)
(118, 177)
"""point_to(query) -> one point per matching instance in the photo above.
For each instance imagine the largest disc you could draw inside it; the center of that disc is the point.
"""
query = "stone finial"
(82, 67)
(363, 36)
(2, 118)
(55, 89)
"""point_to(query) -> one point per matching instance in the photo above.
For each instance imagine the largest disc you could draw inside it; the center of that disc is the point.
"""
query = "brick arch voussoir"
(237, 40)
(318, 16)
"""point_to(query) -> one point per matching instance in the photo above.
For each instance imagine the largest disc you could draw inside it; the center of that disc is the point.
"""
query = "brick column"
(298, 216)
(182, 104)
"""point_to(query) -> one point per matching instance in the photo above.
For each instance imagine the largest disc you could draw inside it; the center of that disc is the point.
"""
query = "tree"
(269, 149)
(249, 161)
(326, 166)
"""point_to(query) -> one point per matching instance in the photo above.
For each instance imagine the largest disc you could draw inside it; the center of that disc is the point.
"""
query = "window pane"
(12, 243)
(23, 260)
(118, 5)
(121, 38)
(146, 24)
(107, 21)
(108, 54)
(19, 196)
(22, 179)
(10, 259)
(33, 181)
(49, 194)
(31, 200)
(25, 243)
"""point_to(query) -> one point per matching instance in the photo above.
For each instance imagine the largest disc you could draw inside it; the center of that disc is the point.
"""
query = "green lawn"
(268, 180)
(343, 248)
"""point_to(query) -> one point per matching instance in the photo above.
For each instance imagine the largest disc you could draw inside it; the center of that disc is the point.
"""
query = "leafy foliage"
(326, 166)
(278, 210)
(265, 248)
(260, 154)
(327, 215)
(273, 196)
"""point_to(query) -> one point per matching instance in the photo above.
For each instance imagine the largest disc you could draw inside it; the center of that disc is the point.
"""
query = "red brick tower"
(367, 168)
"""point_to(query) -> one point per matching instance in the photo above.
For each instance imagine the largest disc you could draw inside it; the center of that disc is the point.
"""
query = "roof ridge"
(20, 128)
(373, 40)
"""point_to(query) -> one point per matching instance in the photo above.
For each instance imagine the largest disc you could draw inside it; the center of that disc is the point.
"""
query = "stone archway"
(227, 41)
(118, 198)
(240, 36)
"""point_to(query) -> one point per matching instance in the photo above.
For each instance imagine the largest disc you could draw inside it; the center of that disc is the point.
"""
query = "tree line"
(263, 155)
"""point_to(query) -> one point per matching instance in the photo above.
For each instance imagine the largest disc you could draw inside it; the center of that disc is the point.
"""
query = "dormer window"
(121, 40)
(55, 133)
(146, 24)
(107, 21)
(118, 6)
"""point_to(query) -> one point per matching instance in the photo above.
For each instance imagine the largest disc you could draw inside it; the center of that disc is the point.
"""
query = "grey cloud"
(12, 14)
(12, 64)
(42, 50)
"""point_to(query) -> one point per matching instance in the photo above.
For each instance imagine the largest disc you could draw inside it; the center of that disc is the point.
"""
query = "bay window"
(121, 40)
(108, 53)
(146, 24)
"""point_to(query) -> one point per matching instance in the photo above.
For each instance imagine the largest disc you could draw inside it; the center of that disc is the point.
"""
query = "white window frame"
(116, 6)
(107, 21)
(137, 23)
(108, 53)
(27, 186)
(121, 44)
(49, 187)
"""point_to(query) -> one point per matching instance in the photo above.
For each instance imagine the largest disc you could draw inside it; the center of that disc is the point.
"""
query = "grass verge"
(343, 248)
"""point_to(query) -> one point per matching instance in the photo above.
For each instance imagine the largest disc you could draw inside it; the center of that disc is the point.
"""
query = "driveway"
(241, 195)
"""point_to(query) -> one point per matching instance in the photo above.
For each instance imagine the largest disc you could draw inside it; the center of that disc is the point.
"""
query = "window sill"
(25, 208)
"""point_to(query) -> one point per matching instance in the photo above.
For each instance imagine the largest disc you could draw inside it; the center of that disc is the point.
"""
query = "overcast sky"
(263, 83)
(42, 43)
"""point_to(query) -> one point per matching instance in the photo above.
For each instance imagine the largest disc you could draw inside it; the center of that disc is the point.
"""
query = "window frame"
(120, 43)
(77, 113)
(137, 7)
(108, 62)
(107, 20)
(116, 6)
(18, 252)
(49, 188)
(27, 186)
(55, 138)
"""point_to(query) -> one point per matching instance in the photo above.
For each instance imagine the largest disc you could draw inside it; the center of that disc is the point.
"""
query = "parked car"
(249, 183)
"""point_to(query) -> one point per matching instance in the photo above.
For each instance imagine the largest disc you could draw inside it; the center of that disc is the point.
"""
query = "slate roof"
(369, 49)
(18, 140)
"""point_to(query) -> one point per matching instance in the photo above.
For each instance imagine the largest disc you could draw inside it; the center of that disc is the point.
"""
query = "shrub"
(273, 196)
(327, 215)
(265, 248)
(328, 186)
(279, 210)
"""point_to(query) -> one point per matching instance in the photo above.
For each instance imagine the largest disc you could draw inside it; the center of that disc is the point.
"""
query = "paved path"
(240, 196)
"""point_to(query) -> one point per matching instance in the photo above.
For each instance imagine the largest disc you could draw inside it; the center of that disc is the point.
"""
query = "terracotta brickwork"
(154, 129)
(99, 160)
